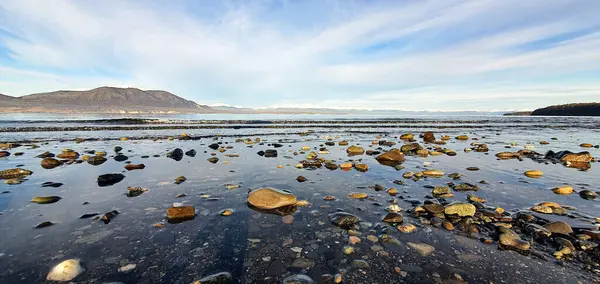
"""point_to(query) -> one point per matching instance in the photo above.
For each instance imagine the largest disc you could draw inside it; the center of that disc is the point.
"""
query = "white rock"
(178, 204)
(65, 271)
(422, 248)
(127, 268)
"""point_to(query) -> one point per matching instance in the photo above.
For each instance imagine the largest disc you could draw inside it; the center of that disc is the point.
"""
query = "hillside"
(579, 109)
(102, 100)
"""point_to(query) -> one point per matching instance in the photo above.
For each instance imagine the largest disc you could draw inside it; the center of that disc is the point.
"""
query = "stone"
(440, 190)
(131, 167)
(508, 239)
(428, 137)
(466, 187)
(353, 240)
(108, 216)
(14, 173)
(176, 154)
(392, 191)
(410, 148)
(298, 279)
(586, 145)
(46, 199)
(301, 179)
(346, 166)
(563, 190)
(534, 174)
(359, 264)
(127, 268)
(460, 209)
(508, 155)
(542, 209)
(45, 155)
(44, 225)
(559, 227)
(213, 160)
(270, 153)
(361, 167)
(65, 271)
(191, 153)
(462, 137)
(358, 195)
(218, 278)
(355, 150)
(343, 220)
(180, 179)
(434, 208)
(582, 157)
(109, 179)
(120, 158)
(303, 263)
(70, 155)
(179, 214)
(270, 198)
(393, 217)
(422, 249)
(391, 158)
(407, 136)
(406, 228)
(96, 160)
(588, 194)
(433, 173)
(135, 191)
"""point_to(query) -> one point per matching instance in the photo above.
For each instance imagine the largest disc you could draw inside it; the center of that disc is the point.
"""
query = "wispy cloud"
(413, 55)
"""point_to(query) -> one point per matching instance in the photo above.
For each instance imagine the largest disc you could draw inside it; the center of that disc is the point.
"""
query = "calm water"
(256, 247)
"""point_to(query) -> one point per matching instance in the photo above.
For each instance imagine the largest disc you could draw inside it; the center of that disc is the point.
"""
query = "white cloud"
(448, 52)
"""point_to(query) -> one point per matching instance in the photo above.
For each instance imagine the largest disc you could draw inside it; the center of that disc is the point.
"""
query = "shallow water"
(257, 247)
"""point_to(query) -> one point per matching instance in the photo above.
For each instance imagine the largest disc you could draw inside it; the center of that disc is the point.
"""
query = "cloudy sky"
(410, 55)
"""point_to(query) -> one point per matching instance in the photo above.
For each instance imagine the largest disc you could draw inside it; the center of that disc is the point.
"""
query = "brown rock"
(559, 227)
(582, 157)
(270, 198)
(393, 156)
(361, 167)
(429, 137)
(70, 155)
(355, 150)
(179, 214)
(50, 163)
(131, 167)
(14, 173)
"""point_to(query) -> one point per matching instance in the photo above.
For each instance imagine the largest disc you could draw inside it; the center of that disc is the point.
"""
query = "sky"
(445, 55)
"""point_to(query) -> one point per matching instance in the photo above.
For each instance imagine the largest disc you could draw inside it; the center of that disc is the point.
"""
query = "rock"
(346, 166)
(410, 148)
(270, 198)
(303, 263)
(332, 166)
(4, 154)
(118, 149)
(135, 191)
(127, 268)
(508, 239)
(213, 160)
(559, 227)
(466, 187)
(358, 195)
(180, 214)
(422, 249)
(226, 212)
(176, 154)
(108, 216)
(50, 163)
(460, 209)
(298, 279)
(14, 173)
(301, 179)
(191, 153)
(406, 228)
(586, 145)
(534, 174)
(214, 146)
(588, 194)
(270, 153)
(566, 156)
(109, 179)
(433, 173)
(44, 225)
(508, 155)
(88, 215)
(96, 160)
(51, 184)
(355, 150)
(179, 179)
(65, 271)
(343, 220)
(46, 199)
(359, 264)
(474, 198)
(440, 190)
(434, 208)
(45, 155)
(69, 155)
(542, 209)
(392, 191)
(462, 137)
(563, 190)
(407, 136)
(393, 217)
(391, 158)
(121, 158)
(343, 143)
(353, 240)
(361, 167)
(429, 137)
(218, 278)
(131, 167)
(311, 156)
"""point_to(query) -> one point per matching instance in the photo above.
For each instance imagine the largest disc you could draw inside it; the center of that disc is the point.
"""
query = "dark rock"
(213, 160)
(45, 155)
(343, 220)
(429, 137)
(588, 194)
(214, 146)
(106, 218)
(4, 154)
(271, 153)
(109, 179)
(191, 153)
(393, 217)
(51, 184)
(96, 160)
(88, 215)
(176, 154)
(131, 167)
(218, 278)
(44, 224)
(120, 158)
(50, 163)
(301, 179)
(118, 149)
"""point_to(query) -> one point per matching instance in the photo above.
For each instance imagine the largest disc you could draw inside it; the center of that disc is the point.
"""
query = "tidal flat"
(412, 201)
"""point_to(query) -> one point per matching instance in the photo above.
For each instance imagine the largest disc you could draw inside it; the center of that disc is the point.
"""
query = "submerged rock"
(180, 214)
(422, 249)
(355, 150)
(270, 198)
(109, 179)
(65, 271)
(218, 278)
(343, 220)
(131, 167)
(14, 173)
(46, 199)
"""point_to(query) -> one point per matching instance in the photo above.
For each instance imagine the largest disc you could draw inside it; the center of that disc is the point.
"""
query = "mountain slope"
(580, 109)
(111, 97)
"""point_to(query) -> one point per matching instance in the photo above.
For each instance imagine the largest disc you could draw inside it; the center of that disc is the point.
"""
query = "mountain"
(518, 113)
(579, 109)
(103, 100)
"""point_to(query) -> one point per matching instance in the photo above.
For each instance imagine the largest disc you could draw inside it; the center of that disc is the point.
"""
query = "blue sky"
(407, 55)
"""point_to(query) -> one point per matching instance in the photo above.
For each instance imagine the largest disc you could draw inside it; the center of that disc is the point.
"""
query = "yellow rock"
(534, 174)
(462, 137)
(346, 166)
(460, 209)
(270, 198)
(407, 228)
(358, 195)
(305, 148)
(550, 204)
(407, 136)
(124, 139)
(433, 173)
(355, 150)
(586, 145)
(302, 203)
(563, 190)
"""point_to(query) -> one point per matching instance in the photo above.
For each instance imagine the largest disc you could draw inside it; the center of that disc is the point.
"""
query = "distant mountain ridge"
(103, 100)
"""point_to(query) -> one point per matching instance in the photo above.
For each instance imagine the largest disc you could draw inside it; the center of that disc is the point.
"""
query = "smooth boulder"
(270, 198)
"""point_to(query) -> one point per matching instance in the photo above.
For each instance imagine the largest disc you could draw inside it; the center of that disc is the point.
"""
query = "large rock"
(176, 154)
(411, 148)
(559, 227)
(14, 173)
(355, 150)
(50, 163)
(568, 156)
(109, 179)
(393, 157)
(270, 198)
(429, 137)
(460, 209)
(180, 214)
(65, 271)
(96, 160)
(70, 155)
(508, 239)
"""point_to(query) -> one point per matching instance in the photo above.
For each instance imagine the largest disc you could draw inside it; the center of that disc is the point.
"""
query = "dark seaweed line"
(183, 127)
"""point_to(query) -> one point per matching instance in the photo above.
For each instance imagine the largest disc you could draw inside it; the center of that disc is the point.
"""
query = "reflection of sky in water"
(75, 237)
